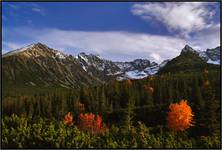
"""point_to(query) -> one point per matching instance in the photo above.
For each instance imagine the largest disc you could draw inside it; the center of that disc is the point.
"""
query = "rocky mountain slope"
(211, 56)
(39, 65)
(191, 60)
(136, 69)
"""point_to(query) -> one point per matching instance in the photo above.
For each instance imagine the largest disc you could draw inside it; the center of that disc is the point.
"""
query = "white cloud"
(122, 45)
(39, 10)
(117, 45)
(14, 8)
(207, 38)
(155, 56)
(114, 45)
(184, 17)
(10, 46)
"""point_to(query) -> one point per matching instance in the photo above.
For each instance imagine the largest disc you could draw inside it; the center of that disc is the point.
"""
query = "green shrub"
(24, 132)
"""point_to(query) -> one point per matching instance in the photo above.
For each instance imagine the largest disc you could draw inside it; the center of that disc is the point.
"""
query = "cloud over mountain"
(179, 16)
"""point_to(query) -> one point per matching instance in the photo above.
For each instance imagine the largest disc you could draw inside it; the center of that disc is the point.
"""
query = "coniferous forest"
(118, 114)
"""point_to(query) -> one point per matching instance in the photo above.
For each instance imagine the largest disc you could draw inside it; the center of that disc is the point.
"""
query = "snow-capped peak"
(211, 56)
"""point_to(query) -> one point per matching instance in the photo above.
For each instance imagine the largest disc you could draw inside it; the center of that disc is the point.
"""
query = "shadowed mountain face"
(39, 65)
(191, 60)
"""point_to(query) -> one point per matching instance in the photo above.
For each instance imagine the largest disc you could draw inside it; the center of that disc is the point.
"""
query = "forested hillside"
(121, 105)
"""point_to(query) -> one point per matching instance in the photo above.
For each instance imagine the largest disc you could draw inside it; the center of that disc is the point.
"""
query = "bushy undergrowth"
(26, 132)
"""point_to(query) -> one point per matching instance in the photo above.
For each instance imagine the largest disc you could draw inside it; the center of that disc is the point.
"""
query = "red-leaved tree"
(90, 122)
(68, 119)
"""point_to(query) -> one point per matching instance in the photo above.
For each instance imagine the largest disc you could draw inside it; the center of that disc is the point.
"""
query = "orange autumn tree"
(68, 119)
(129, 82)
(149, 89)
(180, 116)
(206, 83)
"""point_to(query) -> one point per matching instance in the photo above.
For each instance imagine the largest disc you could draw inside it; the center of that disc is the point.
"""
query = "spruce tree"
(129, 111)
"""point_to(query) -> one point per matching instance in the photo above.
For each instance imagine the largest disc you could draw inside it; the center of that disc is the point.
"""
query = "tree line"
(127, 102)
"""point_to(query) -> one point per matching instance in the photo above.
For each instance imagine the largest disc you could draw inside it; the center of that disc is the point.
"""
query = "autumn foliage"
(68, 119)
(149, 89)
(129, 82)
(86, 122)
(91, 122)
(206, 83)
(180, 116)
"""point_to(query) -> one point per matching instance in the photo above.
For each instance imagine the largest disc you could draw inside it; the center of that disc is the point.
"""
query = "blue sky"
(120, 31)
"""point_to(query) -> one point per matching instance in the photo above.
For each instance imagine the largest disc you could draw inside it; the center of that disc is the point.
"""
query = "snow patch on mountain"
(217, 62)
(202, 54)
(137, 69)
(82, 56)
(152, 70)
(84, 68)
(60, 55)
(136, 74)
(116, 73)
(123, 65)
(100, 67)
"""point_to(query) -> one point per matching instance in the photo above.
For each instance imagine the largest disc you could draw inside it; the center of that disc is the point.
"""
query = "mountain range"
(39, 65)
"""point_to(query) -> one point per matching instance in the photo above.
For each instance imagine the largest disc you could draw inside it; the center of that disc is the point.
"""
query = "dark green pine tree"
(170, 98)
(31, 108)
(82, 95)
(138, 98)
(63, 105)
(198, 106)
(48, 106)
(177, 90)
(129, 111)
(212, 108)
(55, 106)
(158, 91)
(197, 97)
(185, 89)
(102, 101)
(37, 107)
